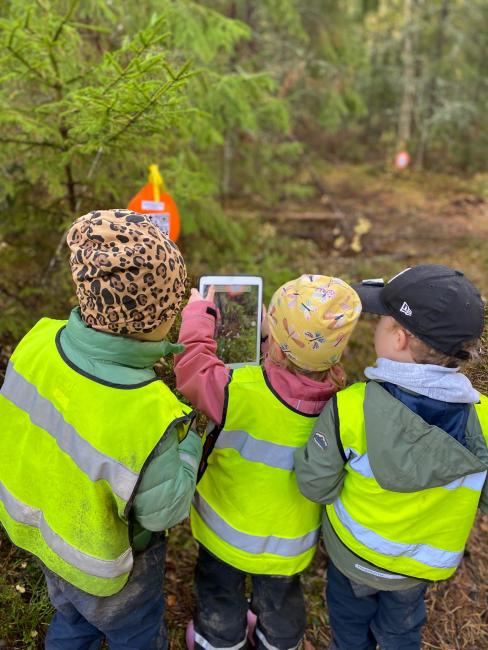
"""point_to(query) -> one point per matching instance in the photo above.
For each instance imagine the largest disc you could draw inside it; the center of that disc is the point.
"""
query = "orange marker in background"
(402, 160)
(154, 200)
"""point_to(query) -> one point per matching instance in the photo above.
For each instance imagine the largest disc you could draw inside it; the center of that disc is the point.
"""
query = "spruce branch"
(42, 6)
(29, 67)
(57, 86)
(62, 240)
(33, 143)
(123, 72)
(69, 13)
(152, 100)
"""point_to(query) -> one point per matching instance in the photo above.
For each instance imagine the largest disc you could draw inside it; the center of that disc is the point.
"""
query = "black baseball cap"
(436, 303)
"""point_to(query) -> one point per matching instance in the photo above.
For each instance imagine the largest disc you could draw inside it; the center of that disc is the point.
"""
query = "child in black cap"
(400, 461)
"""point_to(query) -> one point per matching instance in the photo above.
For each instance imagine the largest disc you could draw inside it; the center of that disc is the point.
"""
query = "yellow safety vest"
(248, 510)
(420, 534)
(71, 454)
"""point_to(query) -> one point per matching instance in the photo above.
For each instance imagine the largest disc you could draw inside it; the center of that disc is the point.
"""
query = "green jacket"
(403, 451)
(166, 489)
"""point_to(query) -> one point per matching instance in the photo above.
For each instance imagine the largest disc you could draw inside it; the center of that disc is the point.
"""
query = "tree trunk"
(408, 99)
(432, 85)
(227, 157)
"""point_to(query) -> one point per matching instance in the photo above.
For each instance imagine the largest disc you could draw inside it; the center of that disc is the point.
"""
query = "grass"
(25, 610)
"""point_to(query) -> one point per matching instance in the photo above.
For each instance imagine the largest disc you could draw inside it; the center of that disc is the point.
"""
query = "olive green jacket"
(405, 453)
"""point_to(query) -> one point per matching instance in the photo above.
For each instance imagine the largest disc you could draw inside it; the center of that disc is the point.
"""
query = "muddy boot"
(252, 619)
(190, 635)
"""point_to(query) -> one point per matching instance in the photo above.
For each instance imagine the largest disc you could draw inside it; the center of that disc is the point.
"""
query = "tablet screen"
(237, 332)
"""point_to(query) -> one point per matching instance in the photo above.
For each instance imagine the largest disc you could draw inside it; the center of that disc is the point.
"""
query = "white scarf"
(436, 382)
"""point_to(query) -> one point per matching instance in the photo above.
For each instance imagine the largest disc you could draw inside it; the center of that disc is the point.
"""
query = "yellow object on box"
(156, 180)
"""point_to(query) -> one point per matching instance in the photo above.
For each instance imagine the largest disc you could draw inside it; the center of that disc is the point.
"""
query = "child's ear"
(275, 351)
(401, 339)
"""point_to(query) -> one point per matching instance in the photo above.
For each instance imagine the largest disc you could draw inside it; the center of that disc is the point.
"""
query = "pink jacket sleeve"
(200, 375)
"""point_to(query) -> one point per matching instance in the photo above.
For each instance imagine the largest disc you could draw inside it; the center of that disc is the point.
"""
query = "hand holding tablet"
(238, 332)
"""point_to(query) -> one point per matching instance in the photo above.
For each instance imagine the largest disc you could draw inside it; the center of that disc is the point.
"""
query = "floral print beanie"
(311, 319)
(129, 276)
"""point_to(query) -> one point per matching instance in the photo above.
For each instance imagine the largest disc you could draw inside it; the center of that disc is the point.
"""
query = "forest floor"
(362, 224)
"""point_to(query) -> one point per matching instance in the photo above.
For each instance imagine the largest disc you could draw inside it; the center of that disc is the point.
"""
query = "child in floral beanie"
(248, 514)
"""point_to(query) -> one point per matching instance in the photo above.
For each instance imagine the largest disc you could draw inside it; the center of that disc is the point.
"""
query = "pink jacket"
(202, 377)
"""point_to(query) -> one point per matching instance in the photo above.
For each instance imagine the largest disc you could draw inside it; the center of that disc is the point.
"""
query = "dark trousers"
(221, 607)
(361, 617)
(132, 619)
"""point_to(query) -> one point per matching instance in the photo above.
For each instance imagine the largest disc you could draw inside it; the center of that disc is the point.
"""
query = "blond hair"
(334, 373)
(423, 353)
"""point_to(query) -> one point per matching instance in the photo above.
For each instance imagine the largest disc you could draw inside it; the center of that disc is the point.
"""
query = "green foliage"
(63, 100)
(230, 98)
(90, 97)
(449, 127)
(25, 610)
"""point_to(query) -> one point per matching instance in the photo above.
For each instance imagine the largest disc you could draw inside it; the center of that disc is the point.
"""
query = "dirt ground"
(363, 225)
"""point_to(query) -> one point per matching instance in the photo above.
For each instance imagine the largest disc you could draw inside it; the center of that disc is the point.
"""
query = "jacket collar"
(436, 382)
(82, 342)
(405, 453)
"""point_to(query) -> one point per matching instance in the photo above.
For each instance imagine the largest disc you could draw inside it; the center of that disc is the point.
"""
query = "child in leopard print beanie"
(95, 444)
(129, 276)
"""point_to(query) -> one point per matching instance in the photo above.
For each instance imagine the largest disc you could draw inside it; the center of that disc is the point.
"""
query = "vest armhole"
(226, 400)
(211, 437)
(187, 417)
(337, 428)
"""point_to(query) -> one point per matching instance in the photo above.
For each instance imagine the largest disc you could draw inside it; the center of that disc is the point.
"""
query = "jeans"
(131, 619)
(221, 607)
(361, 616)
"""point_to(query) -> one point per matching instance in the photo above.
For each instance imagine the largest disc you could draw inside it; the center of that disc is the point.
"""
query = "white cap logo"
(405, 309)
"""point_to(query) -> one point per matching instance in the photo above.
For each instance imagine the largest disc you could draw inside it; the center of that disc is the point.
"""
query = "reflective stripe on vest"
(421, 534)
(428, 555)
(76, 439)
(255, 544)
(24, 514)
(257, 451)
(360, 463)
(43, 414)
(248, 510)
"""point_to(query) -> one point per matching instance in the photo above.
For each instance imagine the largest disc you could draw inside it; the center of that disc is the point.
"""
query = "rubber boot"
(251, 626)
(252, 619)
(190, 635)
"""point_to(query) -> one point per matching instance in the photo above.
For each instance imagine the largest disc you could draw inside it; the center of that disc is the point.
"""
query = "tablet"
(238, 331)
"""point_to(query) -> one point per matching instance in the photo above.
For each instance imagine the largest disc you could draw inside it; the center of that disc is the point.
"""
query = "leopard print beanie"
(129, 276)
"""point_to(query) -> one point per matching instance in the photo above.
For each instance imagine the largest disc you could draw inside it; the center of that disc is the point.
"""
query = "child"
(401, 461)
(248, 515)
(95, 451)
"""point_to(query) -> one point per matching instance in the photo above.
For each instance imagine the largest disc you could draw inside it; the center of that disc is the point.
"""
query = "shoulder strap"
(337, 428)
(211, 437)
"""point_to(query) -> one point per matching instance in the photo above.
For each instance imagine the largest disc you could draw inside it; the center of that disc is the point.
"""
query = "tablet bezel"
(226, 280)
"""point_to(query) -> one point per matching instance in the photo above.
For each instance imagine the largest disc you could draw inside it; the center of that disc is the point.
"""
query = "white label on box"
(161, 221)
(152, 205)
